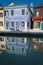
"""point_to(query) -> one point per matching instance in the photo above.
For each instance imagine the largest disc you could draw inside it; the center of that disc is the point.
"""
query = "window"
(7, 25)
(27, 24)
(23, 11)
(4, 13)
(1, 39)
(12, 39)
(22, 39)
(3, 46)
(37, 24)
(1, 14)
(36, 39)
(41, 39)
(37, 13)
(12, 12)
(23, 24)
(17, 26)
(12, 24)
(1, 23)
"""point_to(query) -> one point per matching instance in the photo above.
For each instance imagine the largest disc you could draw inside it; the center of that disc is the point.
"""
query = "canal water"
(21, 51)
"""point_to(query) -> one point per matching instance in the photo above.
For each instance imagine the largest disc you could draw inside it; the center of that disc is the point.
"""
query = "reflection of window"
(37, 13)
(8, 39)
(22, 39)
(12, 39)
(23, 24)
(3, 46)
(12, 48)
(8, 47)
(12, 12)
(1, 23)
(12, 24)
(22, 49)
(37, 24)
(1, 38)
(35, 47)
(36, 39)
(1, 14)
(23, 11)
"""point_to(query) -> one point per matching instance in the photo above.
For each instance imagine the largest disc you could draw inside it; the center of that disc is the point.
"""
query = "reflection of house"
(38, 18)
(37, 45)
(17, 17)
(16, 45)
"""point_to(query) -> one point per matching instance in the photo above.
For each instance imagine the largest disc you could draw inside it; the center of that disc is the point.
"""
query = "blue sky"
(35, 2)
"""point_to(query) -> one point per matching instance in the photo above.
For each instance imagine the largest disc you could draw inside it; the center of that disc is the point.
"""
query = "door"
(41, 26)
(17, 26)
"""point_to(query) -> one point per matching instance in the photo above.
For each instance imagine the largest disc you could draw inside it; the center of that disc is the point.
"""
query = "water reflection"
(21, 45)
(37, 45)
(17, 45)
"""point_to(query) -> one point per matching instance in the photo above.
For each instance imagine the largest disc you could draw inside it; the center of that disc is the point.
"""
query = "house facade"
(38, 18)
(17, 17)
(1, 18)
(2, 39)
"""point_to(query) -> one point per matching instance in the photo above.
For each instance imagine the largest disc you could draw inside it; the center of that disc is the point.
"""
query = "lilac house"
(17, 17)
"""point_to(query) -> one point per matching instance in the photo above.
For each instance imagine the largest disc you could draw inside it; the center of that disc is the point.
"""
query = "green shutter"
(23, 11)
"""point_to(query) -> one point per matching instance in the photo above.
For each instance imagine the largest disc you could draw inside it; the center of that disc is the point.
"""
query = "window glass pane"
(23, 24)
(23, 11)
(27, 24)
(1, 39)
(37, 24)
(12, 24)
(1, 23)
(3, 46)
(7, 25)
(36, 39)
(34, 24)
(4, 13)
(41, 39)
(12, 12)
(1, 14)
(37, 12)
